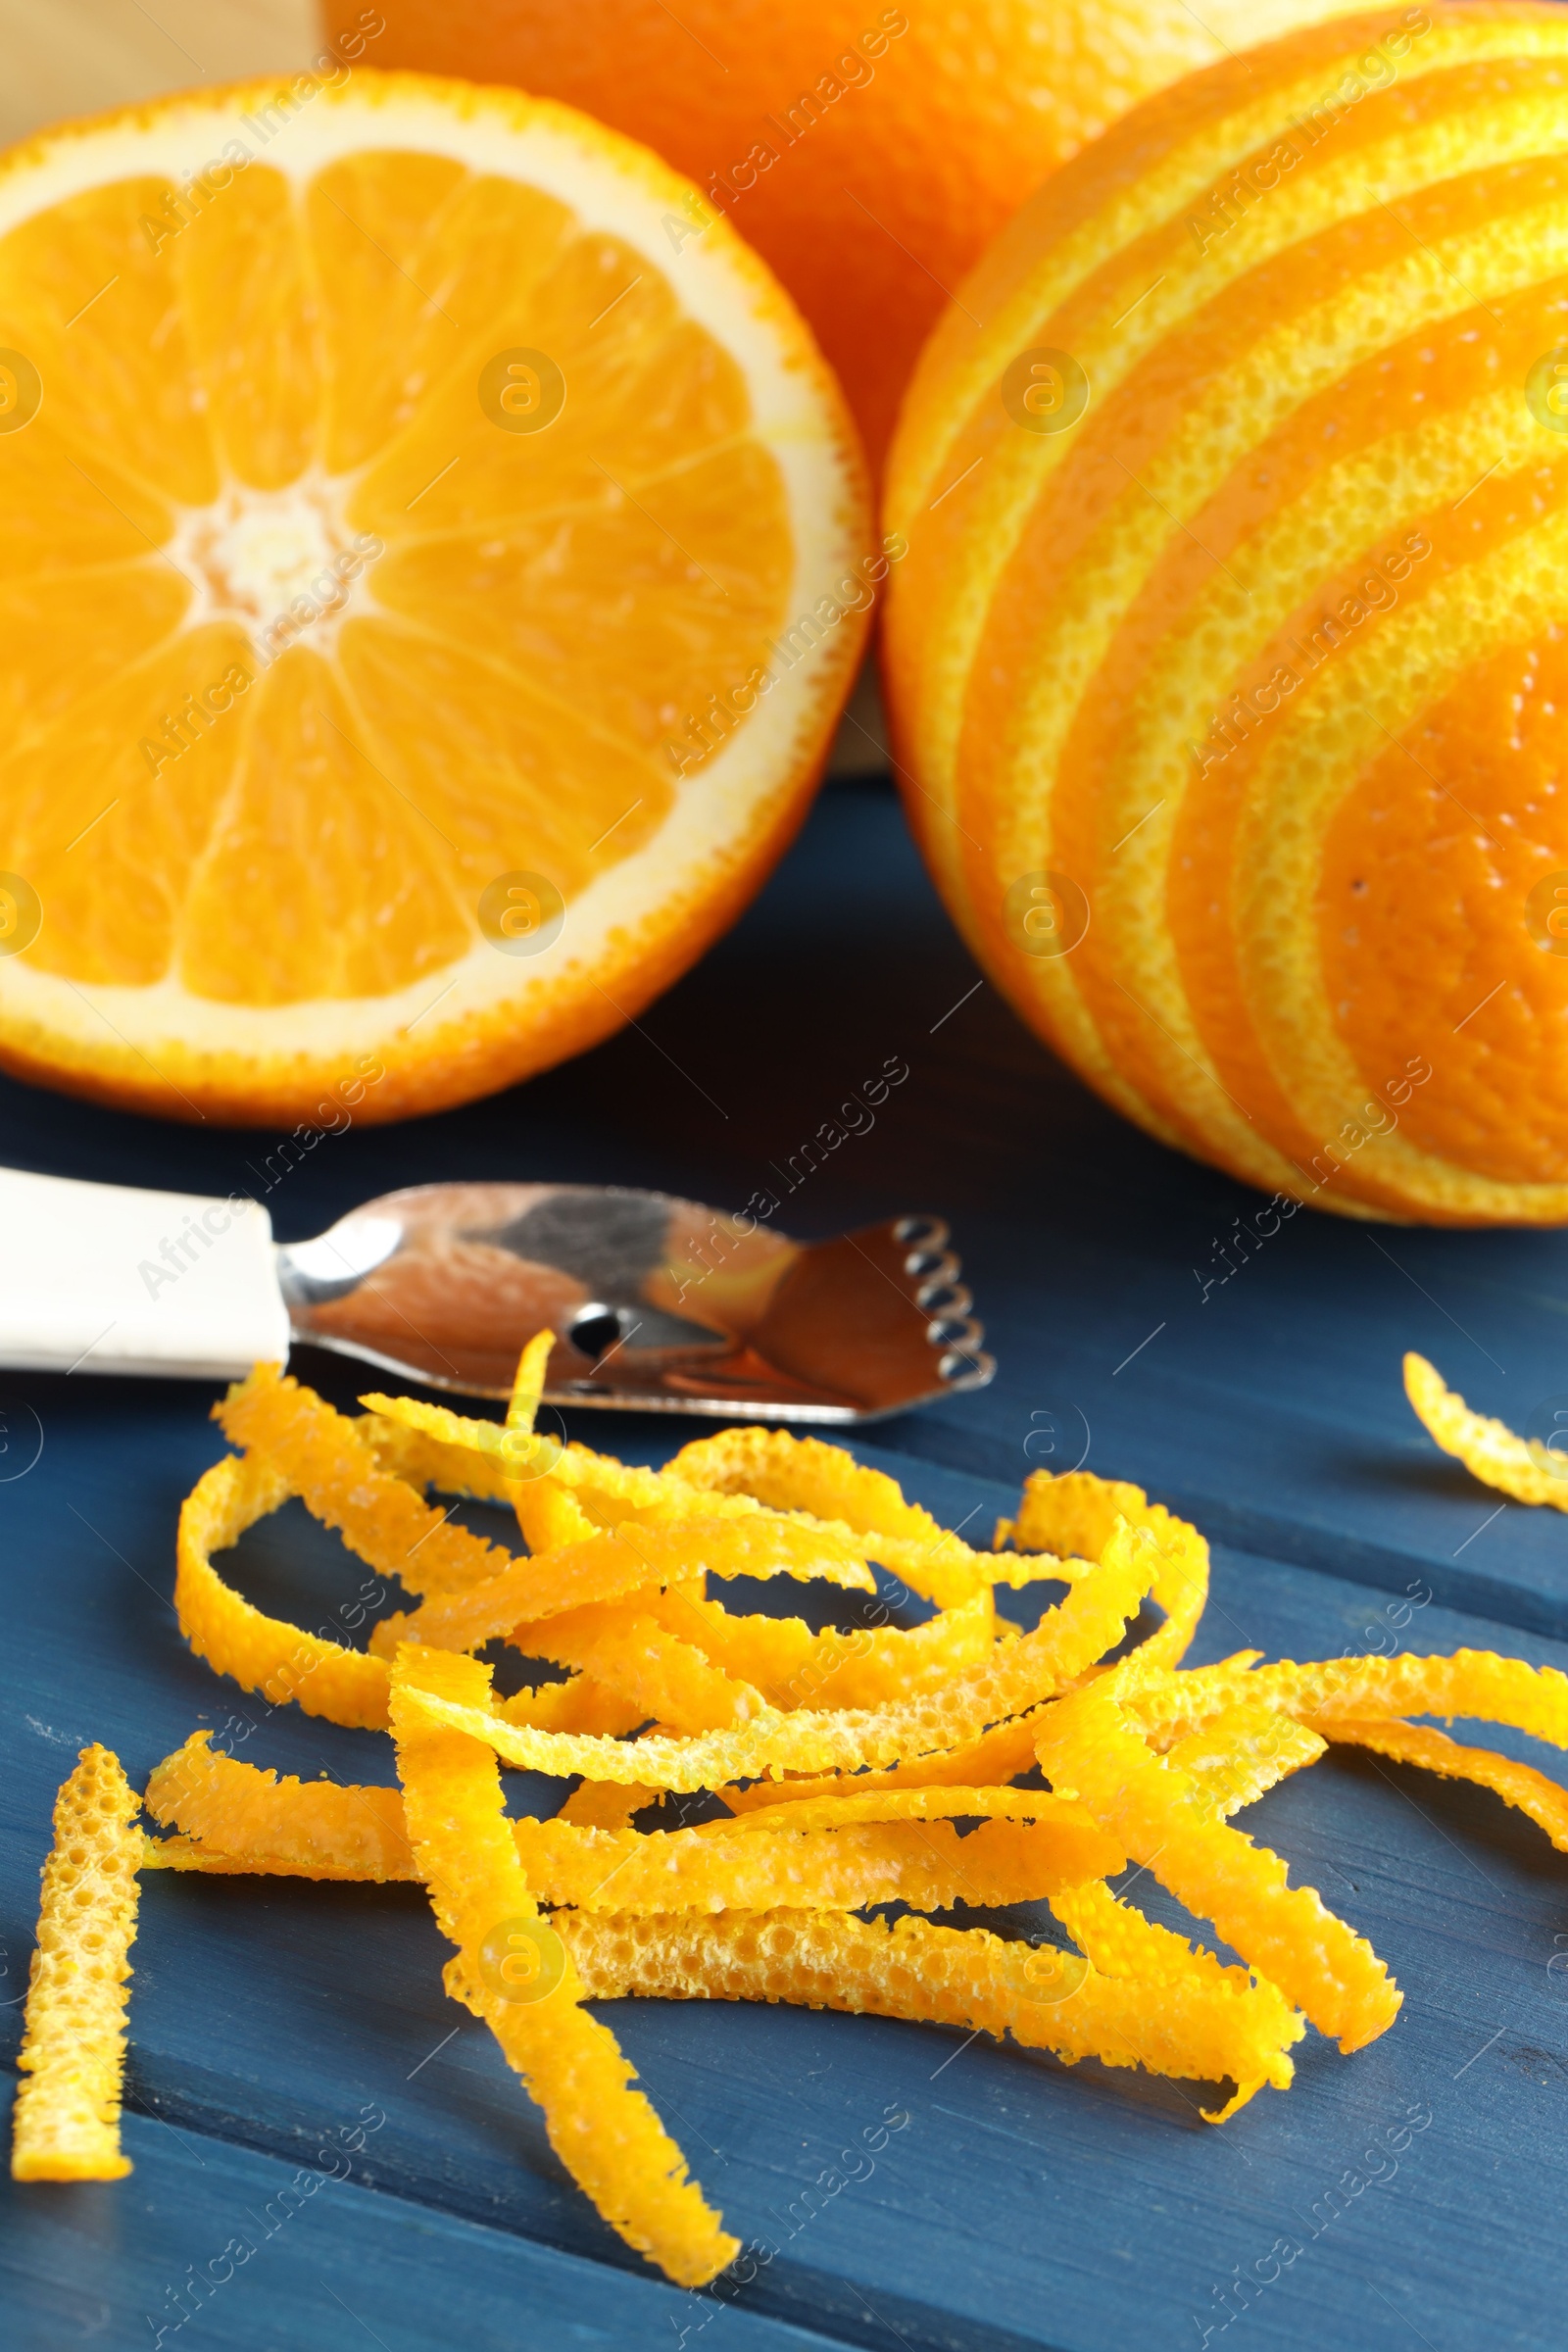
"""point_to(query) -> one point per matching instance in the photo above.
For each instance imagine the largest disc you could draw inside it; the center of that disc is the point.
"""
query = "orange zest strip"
(664, 1679)
(851, 1801)
(969, 1979)
(318, 1826)
(1474, 1682)
(1120, 1941)
(233, 1816)
(1074, 1514)
(863, 1668)
(924, 1864)
(805, 1473)
(614, 1491)
(66, 2125)
(1089, 1748)
(578, 1704)
(1519, 1785)
(998, 1755)
(1237, 1754)
(528, 1385)
(1067, 1640)
(1526, 1469)
(331, 1468)
(604, 2133)
(262, 1653)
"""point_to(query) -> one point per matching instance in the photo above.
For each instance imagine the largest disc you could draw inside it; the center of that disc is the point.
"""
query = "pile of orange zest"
(1089, 1747)
(604, 2133)
(1046, 1999)
(329, 1466)
(262, 1653)
(66, 2125)
(1525, 1468)
(845, 1760)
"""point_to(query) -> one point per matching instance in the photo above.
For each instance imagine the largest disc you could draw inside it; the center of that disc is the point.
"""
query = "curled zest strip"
(604, 2133)
(1067, 1640)
(664, 1679)
(1519, 1785)
(262, 1653)
(969, 1979)
(1076, 1513)
(1089, 1748)
(66, 2120)
(1525, 1469)
(332, 1469)
(317, 1827)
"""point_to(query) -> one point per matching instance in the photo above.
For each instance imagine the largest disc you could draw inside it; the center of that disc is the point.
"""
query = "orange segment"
(499, 509)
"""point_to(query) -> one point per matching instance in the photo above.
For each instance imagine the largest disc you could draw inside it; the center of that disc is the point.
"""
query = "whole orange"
(870, 153)
(1229, 666)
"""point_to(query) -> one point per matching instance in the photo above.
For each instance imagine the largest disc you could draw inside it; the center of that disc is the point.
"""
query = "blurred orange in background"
(868, 151)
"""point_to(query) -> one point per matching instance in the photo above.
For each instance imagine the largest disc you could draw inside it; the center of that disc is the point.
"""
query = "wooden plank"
(293, 2253)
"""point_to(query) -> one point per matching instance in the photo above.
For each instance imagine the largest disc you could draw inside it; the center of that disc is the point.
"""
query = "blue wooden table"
(299, 2084)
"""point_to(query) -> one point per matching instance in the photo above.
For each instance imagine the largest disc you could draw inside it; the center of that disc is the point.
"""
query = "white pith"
(253, 555)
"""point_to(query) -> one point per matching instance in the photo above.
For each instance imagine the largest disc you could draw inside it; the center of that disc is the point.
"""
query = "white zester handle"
(97, 1278)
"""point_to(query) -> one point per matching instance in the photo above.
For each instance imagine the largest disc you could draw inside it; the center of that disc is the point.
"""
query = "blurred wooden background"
(69, 57)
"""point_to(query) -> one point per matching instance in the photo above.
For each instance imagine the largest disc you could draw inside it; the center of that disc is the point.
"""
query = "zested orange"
(1229, 662)
(427, 590)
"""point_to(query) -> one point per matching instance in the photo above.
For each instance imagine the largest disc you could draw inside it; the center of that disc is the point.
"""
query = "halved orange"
(434, 565)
